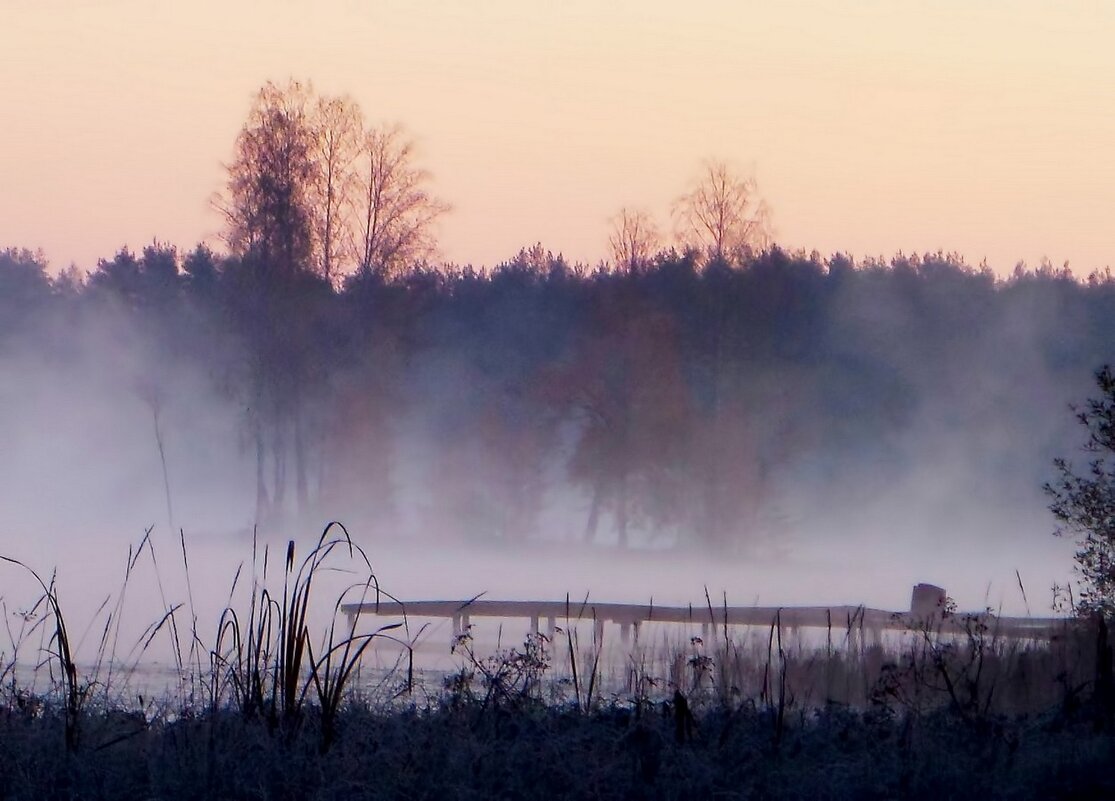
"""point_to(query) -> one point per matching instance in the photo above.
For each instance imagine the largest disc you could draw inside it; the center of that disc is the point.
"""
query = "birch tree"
(633, 240)
(397, 213)
(723, 214)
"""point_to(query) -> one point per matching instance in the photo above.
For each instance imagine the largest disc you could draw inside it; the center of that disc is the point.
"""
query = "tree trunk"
(300, 485)
(278, 464)
(621, 511)
(593, 515)
(1105, 677)
(262, 501)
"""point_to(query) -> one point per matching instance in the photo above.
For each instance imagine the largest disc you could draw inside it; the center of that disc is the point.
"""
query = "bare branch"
(634, 239)
(397, 212)
(723, 214)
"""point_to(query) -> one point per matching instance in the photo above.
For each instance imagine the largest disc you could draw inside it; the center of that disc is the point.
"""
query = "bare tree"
(338, 132)
(723, 213)
(397, 213)
(634, 239)
(268, 203)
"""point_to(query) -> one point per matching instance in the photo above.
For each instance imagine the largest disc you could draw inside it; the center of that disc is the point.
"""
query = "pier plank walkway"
(926, 609)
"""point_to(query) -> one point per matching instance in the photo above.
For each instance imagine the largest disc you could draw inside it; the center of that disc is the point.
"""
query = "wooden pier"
(862, 625)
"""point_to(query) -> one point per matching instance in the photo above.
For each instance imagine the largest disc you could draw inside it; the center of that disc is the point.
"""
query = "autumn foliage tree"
(625, 389)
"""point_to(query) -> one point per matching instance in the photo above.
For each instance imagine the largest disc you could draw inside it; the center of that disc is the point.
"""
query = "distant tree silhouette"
(633, 240)
(24, 288)
(285, 329)
(269, 199)
(311, 187)
(200, 272)
(120, 276)
(723, 214)
(691, 399)
(624, 389)
(396, 213)
(338, 128)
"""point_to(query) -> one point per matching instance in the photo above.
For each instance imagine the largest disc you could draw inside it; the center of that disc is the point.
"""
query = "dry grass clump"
(263, 664)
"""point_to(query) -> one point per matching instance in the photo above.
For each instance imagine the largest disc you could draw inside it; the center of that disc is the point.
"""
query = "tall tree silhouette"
(24, 288)
(269, 199)
(396, 212)
(624, 388)
(633, 239)
(338, 130)
(723, 214)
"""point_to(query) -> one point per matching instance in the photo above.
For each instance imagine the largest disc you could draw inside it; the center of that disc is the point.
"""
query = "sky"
(982, 127)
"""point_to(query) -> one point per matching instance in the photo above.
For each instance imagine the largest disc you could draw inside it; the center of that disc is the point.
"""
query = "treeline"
(676, 401)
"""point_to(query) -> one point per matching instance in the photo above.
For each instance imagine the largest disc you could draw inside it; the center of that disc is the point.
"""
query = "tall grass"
(73, 693)
(265, 664)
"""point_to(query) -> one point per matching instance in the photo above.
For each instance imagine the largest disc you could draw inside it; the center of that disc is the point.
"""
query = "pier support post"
(598, 631)
(534, 624)
(551, 627)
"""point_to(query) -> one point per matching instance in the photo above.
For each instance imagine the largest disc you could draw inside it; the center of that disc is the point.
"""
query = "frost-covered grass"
(280, 705)
(547, 752)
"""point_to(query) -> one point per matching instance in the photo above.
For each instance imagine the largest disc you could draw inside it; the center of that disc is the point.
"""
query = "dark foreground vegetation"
(539, 752)
(279, 705)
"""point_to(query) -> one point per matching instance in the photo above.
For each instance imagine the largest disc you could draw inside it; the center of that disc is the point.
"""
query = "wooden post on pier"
(927, 604)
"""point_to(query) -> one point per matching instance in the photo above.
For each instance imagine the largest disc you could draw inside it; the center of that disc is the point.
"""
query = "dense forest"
(684, 400)
(717, 392)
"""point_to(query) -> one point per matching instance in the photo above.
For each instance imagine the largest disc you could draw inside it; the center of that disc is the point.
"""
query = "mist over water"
(874, 443)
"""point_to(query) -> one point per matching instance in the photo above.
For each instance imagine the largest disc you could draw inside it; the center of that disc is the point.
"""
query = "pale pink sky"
(983, 127)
